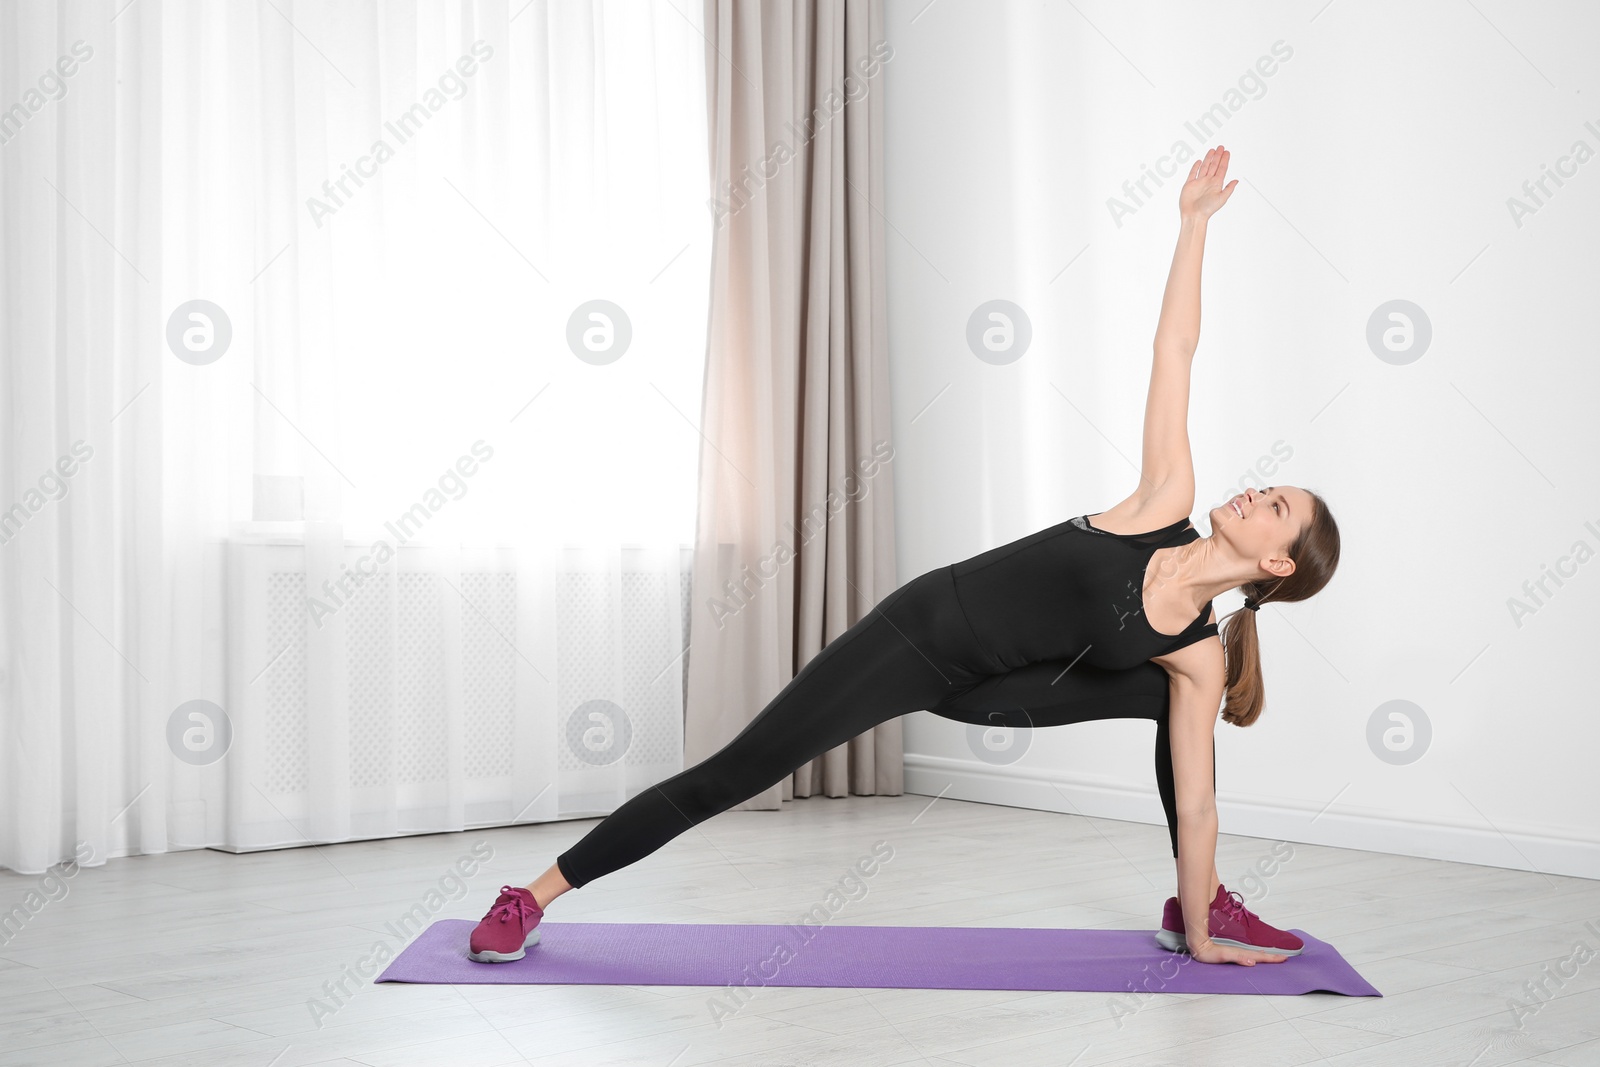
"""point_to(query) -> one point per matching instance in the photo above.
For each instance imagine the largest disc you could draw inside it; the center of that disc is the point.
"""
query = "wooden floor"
(208, 959)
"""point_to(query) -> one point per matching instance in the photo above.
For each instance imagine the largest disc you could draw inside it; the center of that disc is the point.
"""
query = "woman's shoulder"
(1199, 657)
(1143, 513)
(1136, 524)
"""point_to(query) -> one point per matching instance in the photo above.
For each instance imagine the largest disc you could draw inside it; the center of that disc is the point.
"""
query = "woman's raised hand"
(1205, 192)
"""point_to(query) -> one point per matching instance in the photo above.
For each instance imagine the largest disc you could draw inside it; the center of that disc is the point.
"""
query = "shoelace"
(1234, 903)
(511, 903)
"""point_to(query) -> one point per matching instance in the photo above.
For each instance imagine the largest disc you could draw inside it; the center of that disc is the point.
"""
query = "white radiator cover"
(415, 708)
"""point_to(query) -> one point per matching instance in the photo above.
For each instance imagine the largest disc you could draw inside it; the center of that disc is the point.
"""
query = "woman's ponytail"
(1316, 556)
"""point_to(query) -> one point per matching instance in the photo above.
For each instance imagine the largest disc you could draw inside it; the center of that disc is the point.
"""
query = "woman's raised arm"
(1168, 468)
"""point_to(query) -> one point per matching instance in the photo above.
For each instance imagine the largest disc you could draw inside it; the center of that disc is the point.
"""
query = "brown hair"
(1316, 555)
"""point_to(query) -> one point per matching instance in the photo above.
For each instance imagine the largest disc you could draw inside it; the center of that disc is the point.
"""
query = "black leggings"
(914, 651)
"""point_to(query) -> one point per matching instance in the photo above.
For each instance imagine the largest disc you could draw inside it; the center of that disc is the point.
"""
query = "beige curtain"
(795, 535)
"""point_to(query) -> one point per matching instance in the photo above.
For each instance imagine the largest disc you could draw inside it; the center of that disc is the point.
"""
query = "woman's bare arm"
(1168, 468)
(1196, 680)
(1205, 191)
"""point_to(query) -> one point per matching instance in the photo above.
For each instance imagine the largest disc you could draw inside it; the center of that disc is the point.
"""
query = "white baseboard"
(1338, 826)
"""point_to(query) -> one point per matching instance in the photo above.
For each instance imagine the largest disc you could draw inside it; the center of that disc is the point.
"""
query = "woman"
(1102, 616)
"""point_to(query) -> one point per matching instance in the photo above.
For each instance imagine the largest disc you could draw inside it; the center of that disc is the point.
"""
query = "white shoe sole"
(490, 956)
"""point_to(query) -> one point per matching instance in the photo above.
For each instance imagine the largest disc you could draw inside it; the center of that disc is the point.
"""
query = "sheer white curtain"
(351, 376)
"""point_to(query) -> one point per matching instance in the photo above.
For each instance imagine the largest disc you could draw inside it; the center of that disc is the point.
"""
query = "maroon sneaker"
(1231, 923)
(505, 933)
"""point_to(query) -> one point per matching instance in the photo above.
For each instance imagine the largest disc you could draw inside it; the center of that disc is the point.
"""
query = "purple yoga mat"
(881, 957)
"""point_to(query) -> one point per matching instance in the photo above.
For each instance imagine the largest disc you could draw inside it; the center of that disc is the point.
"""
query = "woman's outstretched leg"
(898, 658)
(887, 664)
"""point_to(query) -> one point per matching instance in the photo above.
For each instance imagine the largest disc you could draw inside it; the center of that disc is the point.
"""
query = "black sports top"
(1071, 590)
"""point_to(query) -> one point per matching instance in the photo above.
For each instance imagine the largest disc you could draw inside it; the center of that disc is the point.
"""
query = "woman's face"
(1262, 523)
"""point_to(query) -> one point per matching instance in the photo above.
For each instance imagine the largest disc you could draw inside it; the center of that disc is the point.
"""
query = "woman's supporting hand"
(1211, 952)
(1205, 192)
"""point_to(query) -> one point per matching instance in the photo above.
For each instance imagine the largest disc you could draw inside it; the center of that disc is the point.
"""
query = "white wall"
(1376, 163)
